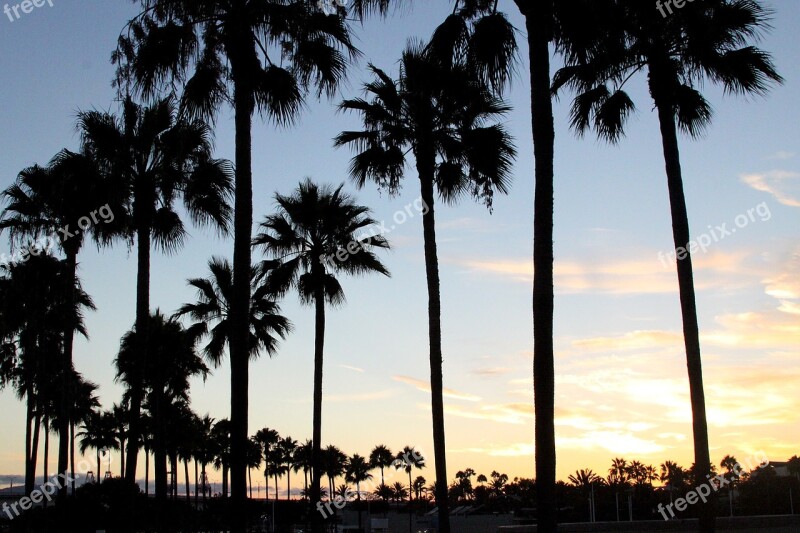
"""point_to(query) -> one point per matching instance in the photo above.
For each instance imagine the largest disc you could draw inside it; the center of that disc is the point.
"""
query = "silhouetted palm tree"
(317, 233)
(287, 448)
(408, 459)
(605, 46)
(381, 457)
(221, 446)
(334, 465)
(61, 202)
(256, 55)
(33, 314)
(357, 471)
(212, 313)
(302, 461)
(172, 360)
(154, 158)
(440, 114)
(98, 434)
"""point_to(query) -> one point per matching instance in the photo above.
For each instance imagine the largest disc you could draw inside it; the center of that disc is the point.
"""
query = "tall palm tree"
(172, 360)
(61, 201)
(310, 240)
(381, 457)
(441, 114)
(212, 313)
(153, 158)
(707, 40)
(263, 56)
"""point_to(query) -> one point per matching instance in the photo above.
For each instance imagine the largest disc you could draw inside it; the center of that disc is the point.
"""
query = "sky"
(621, 382)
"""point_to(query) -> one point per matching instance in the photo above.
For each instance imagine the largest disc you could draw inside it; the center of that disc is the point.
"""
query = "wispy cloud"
(782, 155)
(782, 184)
(426, 387)
(353, 368)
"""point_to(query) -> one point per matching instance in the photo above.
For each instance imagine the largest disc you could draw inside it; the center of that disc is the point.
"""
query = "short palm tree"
(263, 56)
(221, 450)
(611, 41)
(381, 457)
(155, 158)
(317, 233)
(98, 434)
(212, 315)
(62, 202)
(442, 115)
(334, 465)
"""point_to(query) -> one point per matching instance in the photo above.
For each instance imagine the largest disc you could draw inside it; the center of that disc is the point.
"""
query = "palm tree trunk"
(425, 165)
(97, 456)
(196, 482)
(159, 450)
(186, 478)
(288, 489)
(66, 376)
(146, 472)
(276, 487)
(142, 319)
(204, 477)
(539, 17)
(224, 480)
(30, 454)
(46, 455)
(319, 347)
(250, 481)
(72, 453)
(691, 332)
(122, 457)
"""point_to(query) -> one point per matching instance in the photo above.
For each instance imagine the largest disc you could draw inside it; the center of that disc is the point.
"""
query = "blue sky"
(621, 388)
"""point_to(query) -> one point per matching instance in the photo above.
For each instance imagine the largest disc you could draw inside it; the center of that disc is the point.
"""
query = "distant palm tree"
(302, 461)
(205, 450)
(408, 459)
(98, 434)
(605, 46)
(357, 471)
(442, 115)
(120, 417)
(58, 202)
(399, 491)
(419, 487)
(287, 448)
(254, 460)
(584, 478)
(221, 446)
(381, 457)
(154, 157)
(334, 465)
(317, 233)
(261, 56)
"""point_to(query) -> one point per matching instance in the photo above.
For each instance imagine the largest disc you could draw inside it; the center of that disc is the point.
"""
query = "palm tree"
(153, 157)
(438, 113)
(274, 467)
(33, 314)
(408, 459)
(419, 487)
(705, 40)
(334, 464)
(302, 461)
(254, 460)
(212, 312)
(172, 360)
(381, 457)
(205, 449)
(310, 240)
(256, 55)
(357, 471)
(98, 434)
(121, 432)
(287, 448)
(221, 446)
(399, 491)
(61, 201)
(584, 478)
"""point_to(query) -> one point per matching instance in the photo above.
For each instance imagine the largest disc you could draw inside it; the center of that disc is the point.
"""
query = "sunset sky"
(622, 388)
